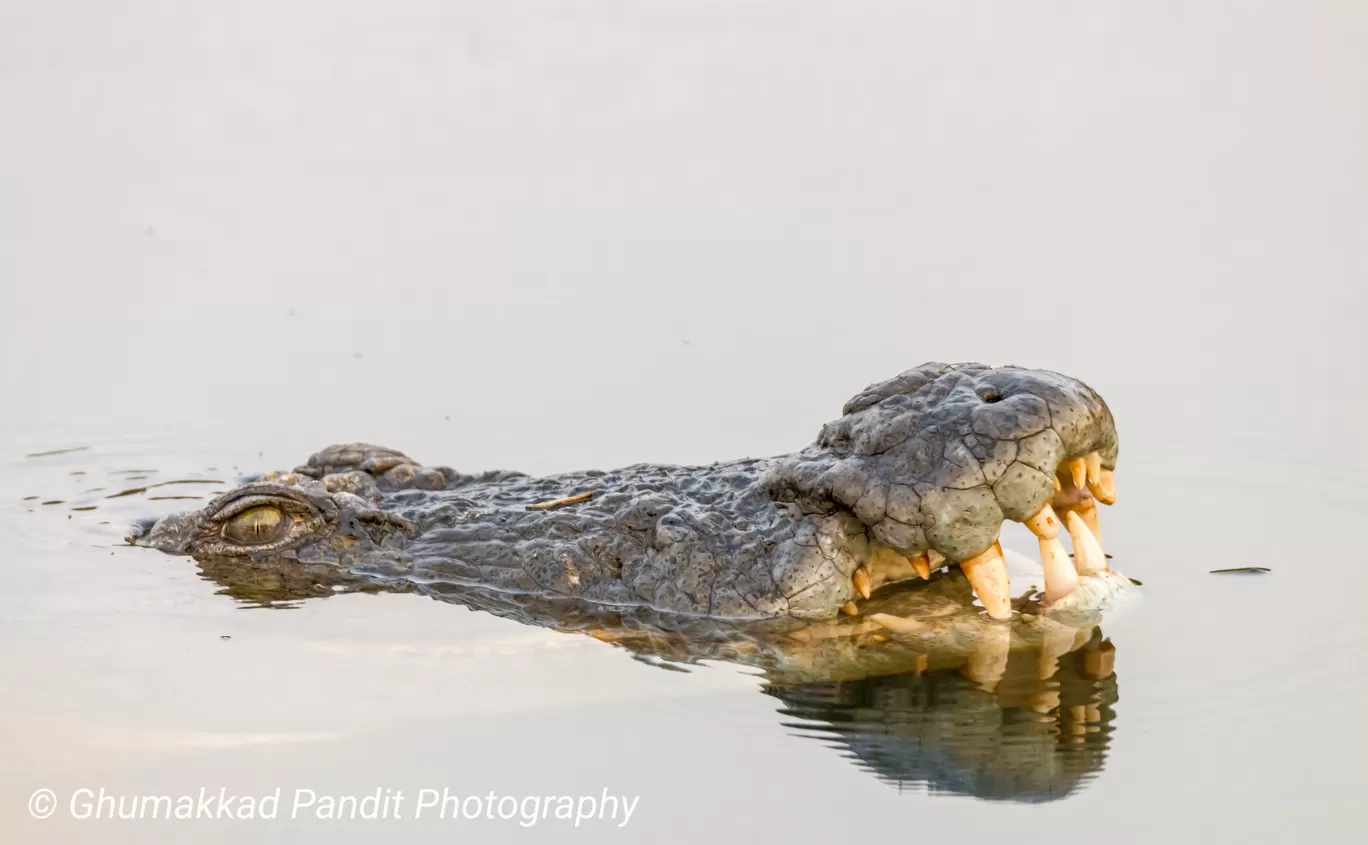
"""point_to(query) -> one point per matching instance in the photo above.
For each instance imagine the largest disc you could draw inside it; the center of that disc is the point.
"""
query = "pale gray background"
(550, 235)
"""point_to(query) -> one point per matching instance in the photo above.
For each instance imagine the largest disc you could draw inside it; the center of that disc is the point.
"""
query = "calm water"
(548, 236)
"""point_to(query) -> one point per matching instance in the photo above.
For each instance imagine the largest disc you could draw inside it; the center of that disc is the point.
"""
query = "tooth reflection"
(988, 663)
(983, 724)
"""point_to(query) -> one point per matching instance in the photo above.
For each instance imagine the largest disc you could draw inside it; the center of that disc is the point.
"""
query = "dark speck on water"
(1242, 570)
(57, 452)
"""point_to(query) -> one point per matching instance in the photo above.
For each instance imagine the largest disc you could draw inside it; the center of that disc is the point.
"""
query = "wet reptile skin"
(934, 458)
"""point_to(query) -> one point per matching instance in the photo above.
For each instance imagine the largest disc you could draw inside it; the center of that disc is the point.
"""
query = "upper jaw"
(934, 461)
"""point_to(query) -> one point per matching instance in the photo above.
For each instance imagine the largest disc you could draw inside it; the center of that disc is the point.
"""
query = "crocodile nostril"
(990, 396)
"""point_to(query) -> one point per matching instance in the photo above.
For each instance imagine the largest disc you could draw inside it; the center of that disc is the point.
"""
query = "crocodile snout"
(170, 534)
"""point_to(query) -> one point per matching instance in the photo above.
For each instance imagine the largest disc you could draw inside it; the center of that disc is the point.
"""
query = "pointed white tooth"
(850, 609)
(1092, 462)
(1087, 509)
(922, 564)
(935, 559)
(861, 579)
(987, 572)
(1057, 485)
(1060, 575)
(1078, 471)
(1105, 488)
(1088, 554)
(1044, 524)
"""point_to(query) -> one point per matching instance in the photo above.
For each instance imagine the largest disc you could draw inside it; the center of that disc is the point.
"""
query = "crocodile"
(913, 480)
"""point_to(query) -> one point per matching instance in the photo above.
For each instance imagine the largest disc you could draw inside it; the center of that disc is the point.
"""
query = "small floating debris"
(86, 508)
(57, 452)
(55, 502)
(133, 491)
(1241, 570)
(558, 503)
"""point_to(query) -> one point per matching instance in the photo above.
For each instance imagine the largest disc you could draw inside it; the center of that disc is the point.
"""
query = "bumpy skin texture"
(937, 457)
(934, 458)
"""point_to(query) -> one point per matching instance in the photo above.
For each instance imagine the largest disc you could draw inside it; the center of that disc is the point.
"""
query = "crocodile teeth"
(861, 579)
(1058, 486)
(922, 563)
(850, 609)
(1044, 524)
(1105, 488)
(1060, 576)
(898, 624)
(987, 572)
(1087, 511)
(1078, 470)
(1088, 554)
(935, 559)
(886, 566)
(1092, 462)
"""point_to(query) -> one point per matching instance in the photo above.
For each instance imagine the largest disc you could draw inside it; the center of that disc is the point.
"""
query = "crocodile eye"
(255, 526)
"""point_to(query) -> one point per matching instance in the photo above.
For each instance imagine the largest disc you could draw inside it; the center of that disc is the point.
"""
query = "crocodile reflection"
(961, 704)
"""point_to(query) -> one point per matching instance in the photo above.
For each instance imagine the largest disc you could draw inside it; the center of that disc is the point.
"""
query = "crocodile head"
(934, 460)
(920, 470)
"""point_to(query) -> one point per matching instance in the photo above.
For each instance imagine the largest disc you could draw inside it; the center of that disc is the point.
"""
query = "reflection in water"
(1018, 711)
(1021, 738)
